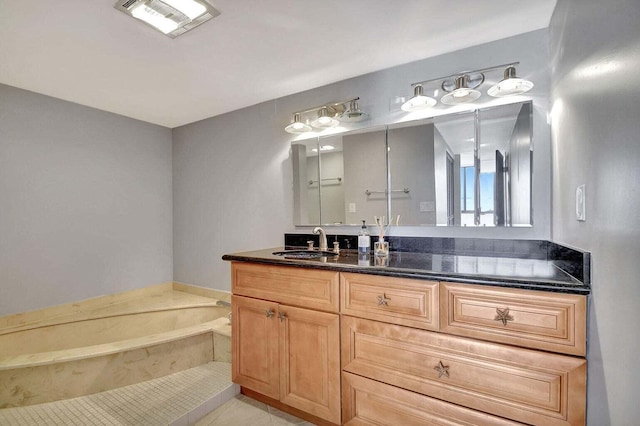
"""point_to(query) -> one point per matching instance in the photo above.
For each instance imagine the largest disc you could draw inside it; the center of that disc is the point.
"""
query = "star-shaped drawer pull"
(503, 315)
(443, 370)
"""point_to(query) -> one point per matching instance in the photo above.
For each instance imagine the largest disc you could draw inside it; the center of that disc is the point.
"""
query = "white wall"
(85, 202)
(595, 49)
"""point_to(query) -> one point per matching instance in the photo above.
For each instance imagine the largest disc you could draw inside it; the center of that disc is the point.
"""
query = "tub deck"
(164, 329)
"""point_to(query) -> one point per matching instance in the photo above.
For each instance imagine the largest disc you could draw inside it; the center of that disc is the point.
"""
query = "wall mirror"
(464, 169)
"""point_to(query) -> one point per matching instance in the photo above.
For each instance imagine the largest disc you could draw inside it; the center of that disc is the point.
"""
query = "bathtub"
(108, 342)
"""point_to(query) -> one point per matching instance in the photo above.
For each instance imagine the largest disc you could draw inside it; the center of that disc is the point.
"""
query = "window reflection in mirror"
(454, 169)
(506, 155)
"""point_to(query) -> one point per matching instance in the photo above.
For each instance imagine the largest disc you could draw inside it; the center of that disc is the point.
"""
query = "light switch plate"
(581, 213)
(352, 207)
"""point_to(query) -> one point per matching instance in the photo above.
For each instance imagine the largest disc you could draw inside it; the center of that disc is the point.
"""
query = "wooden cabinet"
(368, 402)
(528, 386)
(287, 353)
(534, 319)
(307, 288)
(375, 350)
(396, 300)
(417, 352)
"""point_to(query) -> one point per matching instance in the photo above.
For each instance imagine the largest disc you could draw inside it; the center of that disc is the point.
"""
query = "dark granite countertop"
(526, 273)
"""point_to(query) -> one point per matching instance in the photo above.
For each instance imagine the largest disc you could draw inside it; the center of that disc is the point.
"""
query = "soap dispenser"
(364, 240)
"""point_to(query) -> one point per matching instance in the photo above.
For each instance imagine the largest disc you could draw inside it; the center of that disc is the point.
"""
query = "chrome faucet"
(323, 238)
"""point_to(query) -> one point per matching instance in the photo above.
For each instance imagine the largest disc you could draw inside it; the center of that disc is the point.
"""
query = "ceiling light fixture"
(418, 101)
(510, 85)
(462, 88)
(171, 17)
(327, 116)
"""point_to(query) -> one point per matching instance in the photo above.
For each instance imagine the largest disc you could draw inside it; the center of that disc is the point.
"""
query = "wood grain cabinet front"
(524, 385)
(307, 288)
(534, 319)
(289, 354)
(397, 300)
(368, 402)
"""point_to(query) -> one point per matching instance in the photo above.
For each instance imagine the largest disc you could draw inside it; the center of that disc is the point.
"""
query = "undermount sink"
(303, 254)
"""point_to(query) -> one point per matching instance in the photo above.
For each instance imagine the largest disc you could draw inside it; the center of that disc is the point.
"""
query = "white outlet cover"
(352, 207)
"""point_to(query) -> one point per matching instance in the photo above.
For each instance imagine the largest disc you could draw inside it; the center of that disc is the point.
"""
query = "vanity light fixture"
(327, 116)
(510, 85)
(463, 87)
(171, 17)
(418, 101)
(353, 114)
(463, 90)
(324, 120)
(297, 126)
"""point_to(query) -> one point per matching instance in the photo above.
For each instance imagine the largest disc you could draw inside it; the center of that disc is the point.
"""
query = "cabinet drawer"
(399, 300)
(367, 402)
(307, 288)
(541, 320)
(521, 384)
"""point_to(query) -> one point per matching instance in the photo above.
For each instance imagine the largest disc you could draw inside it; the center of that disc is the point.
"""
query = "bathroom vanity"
(421, 338)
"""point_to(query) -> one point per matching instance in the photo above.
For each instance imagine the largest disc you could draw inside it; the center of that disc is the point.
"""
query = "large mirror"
(464, 169)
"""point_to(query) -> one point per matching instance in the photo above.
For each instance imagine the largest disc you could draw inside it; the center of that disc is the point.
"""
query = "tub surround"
(526, 264)
(110, 341)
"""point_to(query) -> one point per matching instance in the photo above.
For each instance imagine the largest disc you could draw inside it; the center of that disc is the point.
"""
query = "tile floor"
(244, 411)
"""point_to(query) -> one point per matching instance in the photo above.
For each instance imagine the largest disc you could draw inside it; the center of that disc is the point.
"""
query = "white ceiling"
(87, 52)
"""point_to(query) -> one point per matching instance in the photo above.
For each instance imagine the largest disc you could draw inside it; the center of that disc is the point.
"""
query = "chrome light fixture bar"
(327, 116)
(171, 17)
(463, 87)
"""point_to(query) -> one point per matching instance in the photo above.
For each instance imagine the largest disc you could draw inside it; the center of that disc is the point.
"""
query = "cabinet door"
(310, 361)
(254, 335)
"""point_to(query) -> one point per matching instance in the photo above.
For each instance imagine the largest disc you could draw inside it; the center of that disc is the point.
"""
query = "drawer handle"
(503, 315)
(282, 316)
(443, 370)
(382, 300)
(270, 313)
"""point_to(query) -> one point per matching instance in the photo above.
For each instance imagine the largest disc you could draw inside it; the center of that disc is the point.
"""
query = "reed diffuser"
(381, 247)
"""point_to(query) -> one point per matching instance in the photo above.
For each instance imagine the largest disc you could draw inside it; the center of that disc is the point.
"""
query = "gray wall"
(85, 204)
(229, 192)
(595, 48)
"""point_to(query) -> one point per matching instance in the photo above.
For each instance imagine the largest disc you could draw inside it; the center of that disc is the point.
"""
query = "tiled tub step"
(177, 399)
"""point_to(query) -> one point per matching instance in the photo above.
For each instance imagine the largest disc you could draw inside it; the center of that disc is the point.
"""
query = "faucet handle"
(336, 247)
(310, 245)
